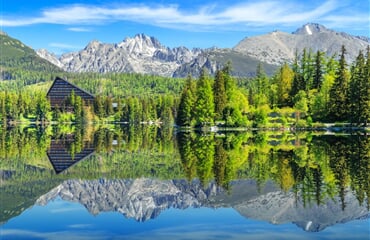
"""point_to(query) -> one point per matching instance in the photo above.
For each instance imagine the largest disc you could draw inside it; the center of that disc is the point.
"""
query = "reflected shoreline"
(294, 178)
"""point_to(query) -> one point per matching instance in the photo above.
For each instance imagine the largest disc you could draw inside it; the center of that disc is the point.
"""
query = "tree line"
(315, 88)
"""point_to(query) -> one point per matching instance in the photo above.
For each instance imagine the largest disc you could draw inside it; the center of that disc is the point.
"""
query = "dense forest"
(314, 89)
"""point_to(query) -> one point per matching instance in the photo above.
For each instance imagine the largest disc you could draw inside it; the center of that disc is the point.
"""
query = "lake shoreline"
(320, 127)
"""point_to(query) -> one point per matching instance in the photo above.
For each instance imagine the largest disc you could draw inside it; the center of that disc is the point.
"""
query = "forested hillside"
(14, 54)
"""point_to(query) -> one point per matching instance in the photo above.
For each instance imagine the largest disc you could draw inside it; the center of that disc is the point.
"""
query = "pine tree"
(298, 81)
(220, 97)
(187, 101)
(307, 70)
(358, 94)
(204, 106)
(366, 100)
(262, 83)
(338, 93)
(318, 73)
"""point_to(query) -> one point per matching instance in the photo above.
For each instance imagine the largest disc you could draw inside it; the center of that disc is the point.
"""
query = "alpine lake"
(150, 182)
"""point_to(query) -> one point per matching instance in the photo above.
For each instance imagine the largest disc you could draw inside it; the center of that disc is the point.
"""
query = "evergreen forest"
(315, 89)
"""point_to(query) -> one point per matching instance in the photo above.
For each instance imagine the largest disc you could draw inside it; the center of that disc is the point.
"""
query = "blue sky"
(66, 25)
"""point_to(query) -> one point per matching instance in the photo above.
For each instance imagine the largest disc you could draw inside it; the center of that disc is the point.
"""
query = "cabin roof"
(73, 85)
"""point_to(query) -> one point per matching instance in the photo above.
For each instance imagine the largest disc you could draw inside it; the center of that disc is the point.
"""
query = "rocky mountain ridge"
(140, 54)
(143, 54)
(144, 199)
(279, 47)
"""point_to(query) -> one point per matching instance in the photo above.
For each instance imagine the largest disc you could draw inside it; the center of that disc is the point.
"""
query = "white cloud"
(79, 29)
(251, 13)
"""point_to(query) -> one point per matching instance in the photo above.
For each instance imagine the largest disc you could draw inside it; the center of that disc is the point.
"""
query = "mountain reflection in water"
(308, 179)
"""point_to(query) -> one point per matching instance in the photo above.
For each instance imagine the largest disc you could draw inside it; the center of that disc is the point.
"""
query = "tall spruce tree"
(298, 81)
(338, 94)
(220, 97)
(187, 101)
(204, 106)
(359, 93)
(356, 90)
(318, 72)
(262, 86)
(307, 72)
(366, 102)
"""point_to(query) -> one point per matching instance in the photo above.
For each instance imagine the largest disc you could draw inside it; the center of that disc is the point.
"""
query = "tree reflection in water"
(312, 166)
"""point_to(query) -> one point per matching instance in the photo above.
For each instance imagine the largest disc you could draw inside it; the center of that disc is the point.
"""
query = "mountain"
(144, 199)
(15, 54)
(141, 54)
(279, 47)
(51, 57)
(144, 54)
(216, 58)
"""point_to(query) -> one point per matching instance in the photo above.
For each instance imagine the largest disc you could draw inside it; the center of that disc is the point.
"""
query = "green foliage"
(220, 97)
(318, 167)
(300, 102)
(204, 105)
(338, 93)
(283, 79)
(187, 102)
(14, 54)
(332, 93)
(359, 92)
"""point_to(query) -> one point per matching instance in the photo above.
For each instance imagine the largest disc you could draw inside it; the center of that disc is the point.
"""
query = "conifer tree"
(220, 97)
(358, 94)
(318, 73)
(338, 93)
(187, 101)
(262, 83)
(204, 106)
(298, 81)
(366, 100)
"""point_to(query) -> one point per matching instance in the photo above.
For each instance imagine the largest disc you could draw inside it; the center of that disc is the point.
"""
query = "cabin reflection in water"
(62, 154)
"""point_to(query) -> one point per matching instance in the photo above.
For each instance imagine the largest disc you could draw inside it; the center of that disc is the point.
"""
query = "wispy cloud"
(79, 29)
(250, 13)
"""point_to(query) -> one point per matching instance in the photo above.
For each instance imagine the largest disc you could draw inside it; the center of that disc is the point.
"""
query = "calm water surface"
(114, 182)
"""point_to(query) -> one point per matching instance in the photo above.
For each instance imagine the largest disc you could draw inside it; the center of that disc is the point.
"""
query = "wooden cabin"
(61, 89)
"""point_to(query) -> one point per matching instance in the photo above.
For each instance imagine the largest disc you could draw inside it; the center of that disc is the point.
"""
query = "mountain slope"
(279, 47)
(215, 59)
(15, 54)
(141, 54)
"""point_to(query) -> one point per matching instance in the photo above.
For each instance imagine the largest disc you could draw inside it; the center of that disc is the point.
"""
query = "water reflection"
(312, 180)
(65, 152)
